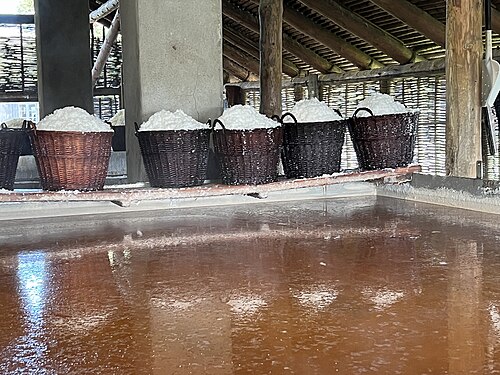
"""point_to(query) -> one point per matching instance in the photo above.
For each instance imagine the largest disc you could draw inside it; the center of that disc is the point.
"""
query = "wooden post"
(298, 93)
(271, 45)
(463, 82)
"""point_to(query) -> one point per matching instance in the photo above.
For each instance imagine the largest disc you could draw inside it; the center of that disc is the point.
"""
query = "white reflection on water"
(28, 351)
(317, 297)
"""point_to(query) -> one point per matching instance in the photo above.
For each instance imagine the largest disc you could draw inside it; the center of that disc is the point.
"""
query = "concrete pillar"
(172, 59)
(63, 55)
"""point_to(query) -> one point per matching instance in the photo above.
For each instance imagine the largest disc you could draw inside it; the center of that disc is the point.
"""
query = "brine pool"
(350, 286)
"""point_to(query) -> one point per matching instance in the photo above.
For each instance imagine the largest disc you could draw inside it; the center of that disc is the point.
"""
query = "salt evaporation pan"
(118, 119)
(166, 120)
(381, 104)
(245, 117)
(312, 110)
(73, 119)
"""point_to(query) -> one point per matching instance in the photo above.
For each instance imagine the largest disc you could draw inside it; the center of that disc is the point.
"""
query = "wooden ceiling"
(328, 36)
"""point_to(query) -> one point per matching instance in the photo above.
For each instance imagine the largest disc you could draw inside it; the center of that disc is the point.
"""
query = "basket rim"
(311, 123)
(174, 131)
(408, 113)
(111, 131)
(247, 130)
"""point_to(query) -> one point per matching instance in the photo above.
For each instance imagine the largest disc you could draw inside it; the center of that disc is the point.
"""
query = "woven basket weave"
(71, 160)
(10, 149)
(175, 158)
(247, 157)
(384, 141)
(312, 149)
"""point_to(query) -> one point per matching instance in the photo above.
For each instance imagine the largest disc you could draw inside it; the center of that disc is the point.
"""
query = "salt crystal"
(118, 119)
(73, 119)
(245, 117)
(166, 120)
(312, 110)
(381, 104)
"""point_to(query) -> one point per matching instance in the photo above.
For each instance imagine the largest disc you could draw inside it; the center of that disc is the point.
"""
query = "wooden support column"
(271, 19)
(463, 87)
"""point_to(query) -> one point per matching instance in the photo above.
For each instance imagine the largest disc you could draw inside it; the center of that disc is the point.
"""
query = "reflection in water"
(383, 289)
(28, 351)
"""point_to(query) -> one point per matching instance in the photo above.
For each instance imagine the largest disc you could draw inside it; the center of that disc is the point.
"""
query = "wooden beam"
(330, 40)
(241, 58)
(416, 18)
(364, 29)
(463, 90)
(271, 47)
(252, 48)
(305, 54)
(495, 20)
(238, 71)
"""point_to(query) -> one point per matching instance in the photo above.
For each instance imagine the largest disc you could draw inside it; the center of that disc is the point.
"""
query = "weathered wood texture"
(364, 29)
(289, 44)
(416, 18)
(463, 95)
(234, 95)
(327, 38)
(238, 71)
(271, 45)
(252, 48)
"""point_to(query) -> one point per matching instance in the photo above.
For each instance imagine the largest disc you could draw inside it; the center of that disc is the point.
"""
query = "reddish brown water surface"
(349, 286)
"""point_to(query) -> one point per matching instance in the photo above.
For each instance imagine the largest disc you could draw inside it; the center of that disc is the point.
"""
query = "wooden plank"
(364, 29)
(416, 18)
(252, 48)
(126, 196)
(463, 94)
(305, 54)
(271, 47)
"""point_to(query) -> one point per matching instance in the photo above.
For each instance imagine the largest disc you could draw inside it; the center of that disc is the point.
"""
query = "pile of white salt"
(381, 104)
(312, 110)
(166, 120)
(73, 119)
(245, 117)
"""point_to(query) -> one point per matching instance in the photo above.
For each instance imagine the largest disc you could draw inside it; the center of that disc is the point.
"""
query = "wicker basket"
(10, 149)
(247, 156)
(312, 149)
(71, 160)
(384, 141)
(175, 158)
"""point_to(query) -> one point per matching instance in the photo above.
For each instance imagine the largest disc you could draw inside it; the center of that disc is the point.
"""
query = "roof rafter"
(252, 48)
(308, 56)
(328, 39)
(364, 29)
(416, 18)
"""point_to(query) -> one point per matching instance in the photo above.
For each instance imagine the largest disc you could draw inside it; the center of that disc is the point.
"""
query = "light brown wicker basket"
(71, 160)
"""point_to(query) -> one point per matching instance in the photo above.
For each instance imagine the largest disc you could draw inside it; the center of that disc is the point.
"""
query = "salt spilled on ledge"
(245, 117)
(73, 119)
(312, 110)
(166, 120)
(381, 104)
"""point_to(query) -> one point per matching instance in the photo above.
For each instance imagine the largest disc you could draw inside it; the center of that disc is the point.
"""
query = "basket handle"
(217, 122)
(290, 115)
(137, 127)
(4, 126)
(338, 112)
(362, 109)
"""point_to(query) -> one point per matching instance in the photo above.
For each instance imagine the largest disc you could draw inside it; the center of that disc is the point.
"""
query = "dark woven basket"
(312, 149)
(384, 141)
(247, 157)
(10, 149)
(71, 160)
(175, 158)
